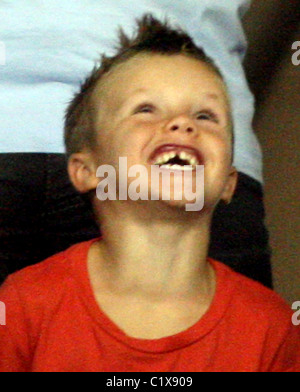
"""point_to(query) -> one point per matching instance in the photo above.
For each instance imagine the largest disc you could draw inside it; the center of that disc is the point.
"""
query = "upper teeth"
(185, 156)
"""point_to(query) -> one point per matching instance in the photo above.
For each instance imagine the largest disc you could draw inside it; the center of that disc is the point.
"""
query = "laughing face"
(170, 111)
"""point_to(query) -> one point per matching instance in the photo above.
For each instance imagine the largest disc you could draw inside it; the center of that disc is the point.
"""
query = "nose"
(182, 124)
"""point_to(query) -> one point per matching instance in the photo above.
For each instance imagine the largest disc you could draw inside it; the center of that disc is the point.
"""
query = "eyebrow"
(213, 96)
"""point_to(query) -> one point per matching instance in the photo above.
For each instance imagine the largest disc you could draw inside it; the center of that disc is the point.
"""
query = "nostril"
(177, 127)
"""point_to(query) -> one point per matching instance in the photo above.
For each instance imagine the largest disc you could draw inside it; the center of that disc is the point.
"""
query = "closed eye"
(144, 108)
(207, 115)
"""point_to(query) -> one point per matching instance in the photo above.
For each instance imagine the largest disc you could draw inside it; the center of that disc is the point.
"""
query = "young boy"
(145, 297)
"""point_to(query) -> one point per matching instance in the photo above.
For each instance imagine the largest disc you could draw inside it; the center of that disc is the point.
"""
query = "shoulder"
(260, 321)
(42, 282)
(251, 302)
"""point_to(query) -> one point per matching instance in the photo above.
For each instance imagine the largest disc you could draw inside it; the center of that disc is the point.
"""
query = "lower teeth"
(177, 167)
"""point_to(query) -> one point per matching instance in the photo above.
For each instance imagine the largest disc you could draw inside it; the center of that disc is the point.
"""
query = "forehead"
(158, 74)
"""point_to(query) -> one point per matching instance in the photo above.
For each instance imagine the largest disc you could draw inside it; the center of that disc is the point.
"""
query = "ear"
(82, 172)
(230, 186)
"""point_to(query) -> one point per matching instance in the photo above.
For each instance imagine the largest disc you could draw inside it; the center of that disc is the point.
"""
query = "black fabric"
(239, 237)
(41, 214)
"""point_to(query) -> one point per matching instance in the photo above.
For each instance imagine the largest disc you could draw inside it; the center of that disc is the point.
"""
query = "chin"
(195, 205)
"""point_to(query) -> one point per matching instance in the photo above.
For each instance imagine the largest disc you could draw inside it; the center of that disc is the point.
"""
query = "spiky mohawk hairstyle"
(152, 36)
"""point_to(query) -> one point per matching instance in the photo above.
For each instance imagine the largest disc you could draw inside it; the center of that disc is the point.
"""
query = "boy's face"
(153, 104)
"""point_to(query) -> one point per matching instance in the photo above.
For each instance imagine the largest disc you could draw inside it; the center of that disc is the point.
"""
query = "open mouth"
(176, 158)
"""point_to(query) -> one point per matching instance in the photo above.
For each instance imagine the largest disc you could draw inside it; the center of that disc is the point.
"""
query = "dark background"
(271, 27)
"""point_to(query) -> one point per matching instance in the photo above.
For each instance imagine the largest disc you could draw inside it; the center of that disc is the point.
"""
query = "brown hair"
(152, 36)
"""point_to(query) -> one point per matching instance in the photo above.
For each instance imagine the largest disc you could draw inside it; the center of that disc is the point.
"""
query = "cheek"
(136, 136)
(220, 147)
(127, 140)
(107, 149)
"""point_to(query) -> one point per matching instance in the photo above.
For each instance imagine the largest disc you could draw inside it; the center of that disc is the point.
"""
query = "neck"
(158, 252)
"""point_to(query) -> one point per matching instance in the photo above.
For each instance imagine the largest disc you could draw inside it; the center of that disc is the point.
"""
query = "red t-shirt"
(53, 323)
